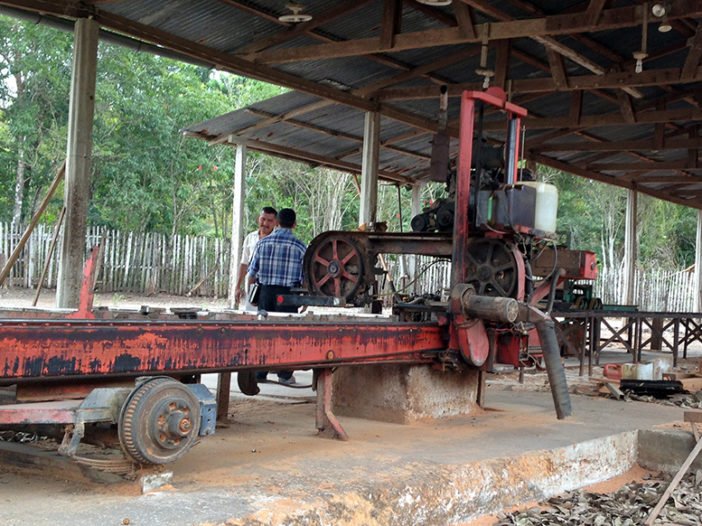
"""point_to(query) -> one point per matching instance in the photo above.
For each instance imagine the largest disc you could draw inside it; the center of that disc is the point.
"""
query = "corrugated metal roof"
(222, 31)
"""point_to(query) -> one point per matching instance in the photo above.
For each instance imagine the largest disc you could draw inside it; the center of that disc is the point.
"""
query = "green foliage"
(148, 177)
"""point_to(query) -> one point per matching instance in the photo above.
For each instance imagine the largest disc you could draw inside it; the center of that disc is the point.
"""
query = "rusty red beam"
(34, 349)
(61, 412)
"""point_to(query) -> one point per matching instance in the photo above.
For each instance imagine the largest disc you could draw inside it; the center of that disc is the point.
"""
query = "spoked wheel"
(335, 268)
(159, 421)
(492, 269)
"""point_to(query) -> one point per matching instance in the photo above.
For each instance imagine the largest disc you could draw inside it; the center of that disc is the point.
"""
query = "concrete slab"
(268, 467)
(404, 393)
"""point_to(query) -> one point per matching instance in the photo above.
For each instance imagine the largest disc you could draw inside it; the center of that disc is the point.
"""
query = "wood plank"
(558, 72)
(464, 19)
(611, 80)
(694, 54)
(391, 23)
(693, 416)
(693, 385)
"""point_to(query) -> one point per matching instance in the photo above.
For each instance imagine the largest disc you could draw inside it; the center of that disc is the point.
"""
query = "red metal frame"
(34, 349)
(469, 336)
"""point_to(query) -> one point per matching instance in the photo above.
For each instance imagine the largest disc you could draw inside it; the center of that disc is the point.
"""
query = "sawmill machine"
(133, 375)
(497, 225)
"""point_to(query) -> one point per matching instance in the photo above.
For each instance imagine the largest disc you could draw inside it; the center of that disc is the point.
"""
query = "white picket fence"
(148, 263)
(142, 263)
(655, 290)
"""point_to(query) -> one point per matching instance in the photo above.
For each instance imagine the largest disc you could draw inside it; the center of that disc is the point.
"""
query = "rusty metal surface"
(578, 264)
(61, 412)
(341, 264)
(30, 349)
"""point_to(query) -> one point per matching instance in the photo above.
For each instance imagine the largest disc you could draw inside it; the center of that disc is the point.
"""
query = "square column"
(369, 169)
(630, 248)
(237, 221)
(78, 161)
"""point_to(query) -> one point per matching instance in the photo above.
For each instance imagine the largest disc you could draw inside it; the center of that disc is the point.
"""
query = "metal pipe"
(554, 368)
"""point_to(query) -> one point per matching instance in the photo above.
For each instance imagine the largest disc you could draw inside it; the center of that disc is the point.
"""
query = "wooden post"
(32, 224)
(50, 255)
(369, 169)
(78, 161)
(237, 221)
(224, 381)
(630, 246)
(698, 264)
(415, 209)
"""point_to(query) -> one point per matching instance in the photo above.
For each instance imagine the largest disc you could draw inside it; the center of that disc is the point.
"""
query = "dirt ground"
(267, 463)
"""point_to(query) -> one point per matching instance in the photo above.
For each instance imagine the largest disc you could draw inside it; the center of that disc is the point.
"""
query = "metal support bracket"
(327, 424)
(71, 439)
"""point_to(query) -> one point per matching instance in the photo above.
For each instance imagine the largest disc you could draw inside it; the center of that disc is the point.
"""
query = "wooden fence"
(148, 263)
(141, 263)
(655, 290)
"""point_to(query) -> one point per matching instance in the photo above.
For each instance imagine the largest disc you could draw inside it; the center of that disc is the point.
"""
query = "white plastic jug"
(546, 206)
(637, 371)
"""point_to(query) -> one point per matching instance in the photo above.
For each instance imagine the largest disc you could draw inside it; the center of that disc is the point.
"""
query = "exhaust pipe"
(546, 328)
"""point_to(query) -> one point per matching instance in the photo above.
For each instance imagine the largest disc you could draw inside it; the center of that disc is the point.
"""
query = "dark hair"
(287, 218)
(269, 210)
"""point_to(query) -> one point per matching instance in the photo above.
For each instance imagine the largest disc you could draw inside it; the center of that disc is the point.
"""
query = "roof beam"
(594, 11)
(668, 179)
(296, 154)
(638, 167)
(464, 19)
(558, 72)
(267, 15)
(555, 45)
(305, 27)
(529, 28)
(694, 54)
(618, 146)
(612, 80)
(224, 61)
(605, 119)
(390, 24)
(335, 133)
(616, 181)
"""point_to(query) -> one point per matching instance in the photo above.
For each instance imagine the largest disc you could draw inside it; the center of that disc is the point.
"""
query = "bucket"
(613, 371)
(637, 371)
(661, 366)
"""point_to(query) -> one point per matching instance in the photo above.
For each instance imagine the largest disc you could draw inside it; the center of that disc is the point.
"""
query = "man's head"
(267, 220)
(287, 218)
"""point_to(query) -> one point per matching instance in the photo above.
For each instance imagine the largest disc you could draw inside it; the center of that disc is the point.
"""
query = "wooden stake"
(52, 246)
(674, 483)
(32, 224)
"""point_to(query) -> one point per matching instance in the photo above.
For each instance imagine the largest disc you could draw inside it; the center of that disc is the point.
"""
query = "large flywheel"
(334, 267)
(159, 421)
(493, 268)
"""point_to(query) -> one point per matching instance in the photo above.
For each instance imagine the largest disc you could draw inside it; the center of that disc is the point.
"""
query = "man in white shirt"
(267, 221)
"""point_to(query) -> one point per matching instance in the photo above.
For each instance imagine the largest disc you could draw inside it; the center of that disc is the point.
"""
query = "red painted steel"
(32, 349)
(61, 412)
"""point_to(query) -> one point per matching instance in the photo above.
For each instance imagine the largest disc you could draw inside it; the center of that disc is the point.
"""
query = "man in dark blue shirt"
(277, 266)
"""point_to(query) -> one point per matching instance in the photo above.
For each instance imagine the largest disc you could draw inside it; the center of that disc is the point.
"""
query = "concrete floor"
(268, 467)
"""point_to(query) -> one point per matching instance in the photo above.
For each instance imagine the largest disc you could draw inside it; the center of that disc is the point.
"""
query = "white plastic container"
(637, 371)
(546, 206)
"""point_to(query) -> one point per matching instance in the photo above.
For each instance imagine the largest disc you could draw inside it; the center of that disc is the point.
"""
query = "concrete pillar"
(404, 393)
(698, 264)
(416, 209)
(369, 169)
(78, 161)
(237, 220)
(630, 248)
